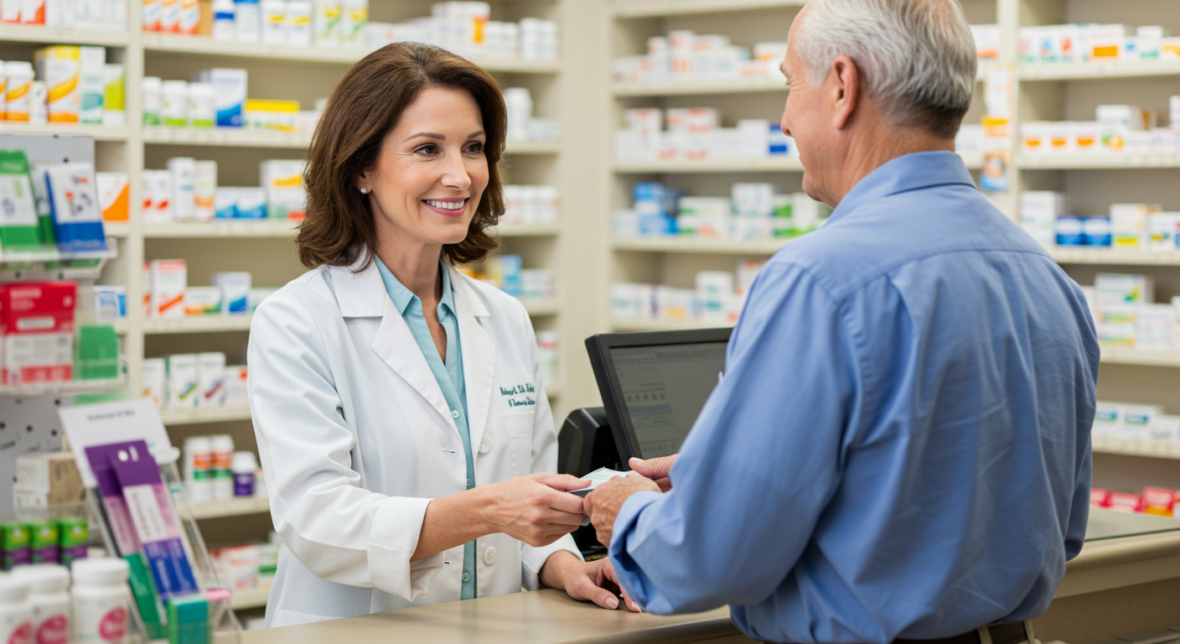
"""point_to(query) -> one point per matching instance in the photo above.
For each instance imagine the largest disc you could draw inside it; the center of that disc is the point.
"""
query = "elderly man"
(899, 447)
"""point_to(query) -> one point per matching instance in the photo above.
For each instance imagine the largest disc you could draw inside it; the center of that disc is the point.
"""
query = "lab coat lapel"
(363, 295)
(479, 355)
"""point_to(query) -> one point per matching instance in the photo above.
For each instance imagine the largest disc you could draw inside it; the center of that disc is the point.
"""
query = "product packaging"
(38, 103)
(188, 620)
(229, 89)
(189, 17)
(47, 478)
(202, 111)
(327, 23)
(50, 601)
(183, 171)
(97, 353)
(225, 203)
(299, 30)
(153, 89)
(223, 476)
(113, 97)
(198, 469)
(170, 16)
(169, 280)
(114, 194)
(251, 203)
(155, 381)
(44, 541)
(243, 466)
(60, 67)
(16, 615)
(91, 83)
(235, 386)
(223, 20)
(182, 381)
(273, 21)
(19, 227)
(151, 15)
(235, 292)
(283, 181)
(246, 21)
(354, 15)
(75, 535)
(18, 82)
(110, 303)
(77, 213)
(210, 379)
(100, 603)
(202, 300)
(159, 187)
(174, 103)
(14, 543)
(205, 190)
(38, 323)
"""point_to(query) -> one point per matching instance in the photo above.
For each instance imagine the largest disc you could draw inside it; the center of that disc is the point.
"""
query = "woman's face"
(431, 171)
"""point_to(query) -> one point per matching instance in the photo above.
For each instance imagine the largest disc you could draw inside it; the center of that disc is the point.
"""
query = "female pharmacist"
(404, 431)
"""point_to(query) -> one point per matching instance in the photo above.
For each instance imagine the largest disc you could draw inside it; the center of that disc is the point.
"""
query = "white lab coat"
(356, 439)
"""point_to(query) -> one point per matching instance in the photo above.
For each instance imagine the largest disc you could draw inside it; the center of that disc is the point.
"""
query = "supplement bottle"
(244, 466)
(101, 600)
(50, 601)
(16, 617)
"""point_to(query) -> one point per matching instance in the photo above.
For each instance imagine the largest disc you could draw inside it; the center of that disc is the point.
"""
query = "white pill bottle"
(49, 598)
(16, 616)
(101, 600)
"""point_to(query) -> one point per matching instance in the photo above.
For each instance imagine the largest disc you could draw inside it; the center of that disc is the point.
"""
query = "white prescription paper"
(124, 420)
(596, 478)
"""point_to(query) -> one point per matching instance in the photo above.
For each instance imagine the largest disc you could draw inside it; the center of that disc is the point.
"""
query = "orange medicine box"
(1159, 501)
(37, 327)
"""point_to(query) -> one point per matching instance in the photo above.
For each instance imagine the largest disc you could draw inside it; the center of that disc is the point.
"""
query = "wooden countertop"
(542, 617)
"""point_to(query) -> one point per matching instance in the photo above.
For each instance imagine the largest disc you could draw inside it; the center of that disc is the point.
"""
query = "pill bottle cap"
(222, 443)
(244, 462)
(105, 571)
(197, 444)
(12, 589)
(44, 578)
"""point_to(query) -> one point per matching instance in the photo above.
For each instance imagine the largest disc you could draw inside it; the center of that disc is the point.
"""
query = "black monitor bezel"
(599, 347)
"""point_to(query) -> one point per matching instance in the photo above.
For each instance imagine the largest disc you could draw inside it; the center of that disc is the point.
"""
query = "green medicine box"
(97, 353)
(14, 541)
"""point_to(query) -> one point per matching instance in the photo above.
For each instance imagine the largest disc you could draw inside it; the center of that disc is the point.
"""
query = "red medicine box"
(1099, 497)
(37, 329)
(1158, 501)
(1124, 502)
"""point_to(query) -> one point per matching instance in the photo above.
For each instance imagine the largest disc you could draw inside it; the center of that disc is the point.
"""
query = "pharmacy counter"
(1126, 581)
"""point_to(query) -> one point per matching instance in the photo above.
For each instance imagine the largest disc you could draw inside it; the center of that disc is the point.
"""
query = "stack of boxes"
(695, 134)
(1093, 43)
(687, 56)
(465, 28)
(1129, 226)
(507, 273)
(90, 14)
(66, 84)
(1117, 129)
(191, 380)
(1125, 314)
(40, 342)
(168, 296)
(217, 98)
(752, 211)
(188, 192)
(718, 297)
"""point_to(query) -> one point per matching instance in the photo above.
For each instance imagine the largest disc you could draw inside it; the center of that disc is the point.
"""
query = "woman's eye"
(427, 149)
(475, 148)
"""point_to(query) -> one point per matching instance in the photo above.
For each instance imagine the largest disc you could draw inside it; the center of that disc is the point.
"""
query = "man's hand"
(602, 505)
(656, 469)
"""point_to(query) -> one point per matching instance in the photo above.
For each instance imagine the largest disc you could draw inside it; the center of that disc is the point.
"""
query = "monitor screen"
(664, 388)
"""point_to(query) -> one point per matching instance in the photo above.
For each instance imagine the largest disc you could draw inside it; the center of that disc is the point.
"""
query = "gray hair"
(917, 58)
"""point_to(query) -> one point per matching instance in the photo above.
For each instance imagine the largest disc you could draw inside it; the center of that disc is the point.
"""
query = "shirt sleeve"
(342, 532)
(544, 455)
(760, 464)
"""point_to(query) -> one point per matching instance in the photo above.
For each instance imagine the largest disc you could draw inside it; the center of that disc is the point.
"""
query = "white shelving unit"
(235, 507)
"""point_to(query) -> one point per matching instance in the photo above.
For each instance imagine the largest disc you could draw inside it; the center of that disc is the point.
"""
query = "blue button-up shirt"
(900, 446)
(449, 376)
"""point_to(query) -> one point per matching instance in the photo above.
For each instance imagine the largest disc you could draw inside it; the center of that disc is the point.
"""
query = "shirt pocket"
(518, 427)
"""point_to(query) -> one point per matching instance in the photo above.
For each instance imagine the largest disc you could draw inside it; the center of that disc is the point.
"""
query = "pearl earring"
(364, 191)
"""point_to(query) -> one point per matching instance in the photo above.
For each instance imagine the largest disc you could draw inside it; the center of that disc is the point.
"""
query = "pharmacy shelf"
(200, 415)
(532, 147)
(62, 35)
(784, 164)
(536, 308)
(702, 245)
(245, 599)
(201, 45)
(1115, 257)
(1123, 355)
(197, 324)
(624, 325)
(1087, 71)
(658, 8)
(702, 88)
(225, 137)
(526, 230)
(96, 132)
(1098, 161)
(222, 229)
(233, 508)
(117, 229)
(66, 388)
(1154, 449)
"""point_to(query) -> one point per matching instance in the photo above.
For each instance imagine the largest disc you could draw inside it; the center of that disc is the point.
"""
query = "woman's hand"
(536, 509)
(585, 581)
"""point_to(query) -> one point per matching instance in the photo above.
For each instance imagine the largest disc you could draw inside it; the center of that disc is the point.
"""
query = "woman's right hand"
(536, 509)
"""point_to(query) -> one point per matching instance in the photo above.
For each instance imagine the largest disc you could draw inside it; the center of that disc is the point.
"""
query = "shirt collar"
(402, 297)
(903, 174)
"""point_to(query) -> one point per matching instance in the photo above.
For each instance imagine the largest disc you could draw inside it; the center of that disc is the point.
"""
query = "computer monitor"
(654, 385)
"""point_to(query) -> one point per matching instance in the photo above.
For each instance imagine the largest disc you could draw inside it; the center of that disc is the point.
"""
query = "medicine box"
(183, 170)
(18, 221)
(225, 203)
(204, 190)
(182, 385)
(229, 91)
(114, 195)
(251, 203)
(155, 380)
(1128, 225)
(59, 67)
(77, 213)
(202, 300)
(235, 292)
(91, 84)
(168, 283)
(37, 323)
(210, 379)
(283, 181)
(235, 386)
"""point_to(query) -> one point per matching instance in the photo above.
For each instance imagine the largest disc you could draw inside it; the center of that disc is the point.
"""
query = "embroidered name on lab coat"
(519, 390)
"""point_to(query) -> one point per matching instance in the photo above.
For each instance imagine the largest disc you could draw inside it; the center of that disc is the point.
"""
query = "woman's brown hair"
(364, 107)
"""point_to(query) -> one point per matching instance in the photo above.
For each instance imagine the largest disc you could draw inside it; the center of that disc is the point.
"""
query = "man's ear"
(844, 78)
